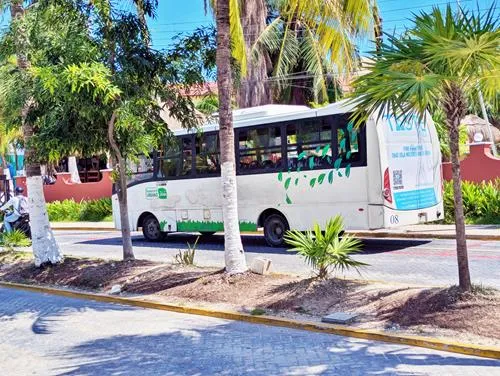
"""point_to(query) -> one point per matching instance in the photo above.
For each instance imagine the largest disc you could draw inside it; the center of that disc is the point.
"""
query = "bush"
(71, 211)
(13, 239)
(186, 258)
(481, 202)
(326, 251)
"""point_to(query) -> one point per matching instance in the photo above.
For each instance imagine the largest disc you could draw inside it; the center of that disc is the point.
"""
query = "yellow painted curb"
(429, 343)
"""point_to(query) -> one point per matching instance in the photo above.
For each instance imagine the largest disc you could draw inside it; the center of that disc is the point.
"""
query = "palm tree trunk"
(377, 27)
(254, 88)
(234, 255)
(455, 109)
(141, 15)
(45, 247)
(121, 191)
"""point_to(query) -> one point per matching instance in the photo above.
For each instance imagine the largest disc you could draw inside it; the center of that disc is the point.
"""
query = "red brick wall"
(64, 189)
(480, 165)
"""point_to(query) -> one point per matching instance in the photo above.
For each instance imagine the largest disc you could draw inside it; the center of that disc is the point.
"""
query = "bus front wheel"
(151, 229)
(275, 228)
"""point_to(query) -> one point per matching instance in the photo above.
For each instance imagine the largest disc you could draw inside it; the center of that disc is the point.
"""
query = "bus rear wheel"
(151, 229)
(275, 228)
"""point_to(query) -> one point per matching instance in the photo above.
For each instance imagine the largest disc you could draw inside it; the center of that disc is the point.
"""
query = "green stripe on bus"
(207, 226)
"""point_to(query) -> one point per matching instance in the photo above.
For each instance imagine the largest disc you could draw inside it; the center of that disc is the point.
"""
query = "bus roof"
(273, 113)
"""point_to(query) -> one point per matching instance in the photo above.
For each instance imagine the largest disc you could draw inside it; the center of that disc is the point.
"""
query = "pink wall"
(480, 165)
(63, 188)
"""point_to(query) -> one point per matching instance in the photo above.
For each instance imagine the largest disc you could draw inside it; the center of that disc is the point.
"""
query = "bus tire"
(275, 228)
(151, 229)
(207, 233)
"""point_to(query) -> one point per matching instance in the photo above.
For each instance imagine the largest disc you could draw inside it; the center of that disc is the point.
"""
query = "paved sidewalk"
(476, 232)
(52, 335)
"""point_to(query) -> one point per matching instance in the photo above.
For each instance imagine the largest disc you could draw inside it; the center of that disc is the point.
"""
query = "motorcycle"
(22, 224)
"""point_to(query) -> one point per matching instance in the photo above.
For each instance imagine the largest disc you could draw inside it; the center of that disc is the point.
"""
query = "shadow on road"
(252, 243)
(47, 315)
(228, 349)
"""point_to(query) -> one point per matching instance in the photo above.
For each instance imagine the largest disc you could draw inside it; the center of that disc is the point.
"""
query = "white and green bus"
(295, 166)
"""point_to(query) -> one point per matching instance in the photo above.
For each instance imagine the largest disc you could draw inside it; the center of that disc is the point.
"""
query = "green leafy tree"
(435, 64)
(45, 247)
(99, 86)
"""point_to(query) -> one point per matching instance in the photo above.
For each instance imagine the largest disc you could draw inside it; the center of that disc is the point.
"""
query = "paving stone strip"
(53, 335)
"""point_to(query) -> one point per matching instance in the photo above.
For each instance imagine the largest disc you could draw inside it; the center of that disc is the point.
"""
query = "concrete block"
(339, 318)
(261, 265)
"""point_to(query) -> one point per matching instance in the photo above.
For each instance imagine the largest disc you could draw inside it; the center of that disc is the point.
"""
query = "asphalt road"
(409, 261)
(53, 335)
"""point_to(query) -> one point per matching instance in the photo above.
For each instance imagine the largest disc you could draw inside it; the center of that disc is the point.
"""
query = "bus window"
(348, 141)
(306, 143)
(259, 149)
(207, 154)
(178, 158)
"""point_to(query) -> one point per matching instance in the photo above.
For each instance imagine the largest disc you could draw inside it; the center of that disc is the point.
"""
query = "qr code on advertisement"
(397, 177)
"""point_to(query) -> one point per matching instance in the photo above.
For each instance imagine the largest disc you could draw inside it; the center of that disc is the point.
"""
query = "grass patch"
(13, 256)
(258, 312)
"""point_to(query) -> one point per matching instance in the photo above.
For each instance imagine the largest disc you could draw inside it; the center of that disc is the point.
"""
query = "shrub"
(13, 239)
(71, 211)
(326, 251)
(186, 258)
(481, 202)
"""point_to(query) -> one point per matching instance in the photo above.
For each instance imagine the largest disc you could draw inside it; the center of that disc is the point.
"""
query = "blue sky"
(183, 16)
(176, 16)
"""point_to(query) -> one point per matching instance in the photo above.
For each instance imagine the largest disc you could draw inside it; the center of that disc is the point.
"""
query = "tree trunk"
(254, 89)
(455, 109)
(141, 15)
(121, 191)
(45, 247)
(73, 170)
(377, 27)
(234, 255)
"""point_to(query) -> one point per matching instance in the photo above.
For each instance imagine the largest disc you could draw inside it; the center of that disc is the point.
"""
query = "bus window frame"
(334, 121)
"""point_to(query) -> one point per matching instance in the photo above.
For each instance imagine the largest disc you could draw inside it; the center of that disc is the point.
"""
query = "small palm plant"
(16, 238)
(328, 250)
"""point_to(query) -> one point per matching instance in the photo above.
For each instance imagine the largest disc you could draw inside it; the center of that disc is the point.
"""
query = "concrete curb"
(430, 343)
(360, 234)
(83, 228)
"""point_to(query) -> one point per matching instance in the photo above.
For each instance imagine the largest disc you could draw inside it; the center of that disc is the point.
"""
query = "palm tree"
(234, 255)
(312, 41)
(434, 65)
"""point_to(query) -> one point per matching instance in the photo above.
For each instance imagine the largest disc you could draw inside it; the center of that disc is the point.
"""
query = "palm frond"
(238, 46)
(269, 40)
(288, 55)
(313, 57)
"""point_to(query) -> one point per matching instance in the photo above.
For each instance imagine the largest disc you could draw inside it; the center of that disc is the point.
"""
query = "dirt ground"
(436, 312)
